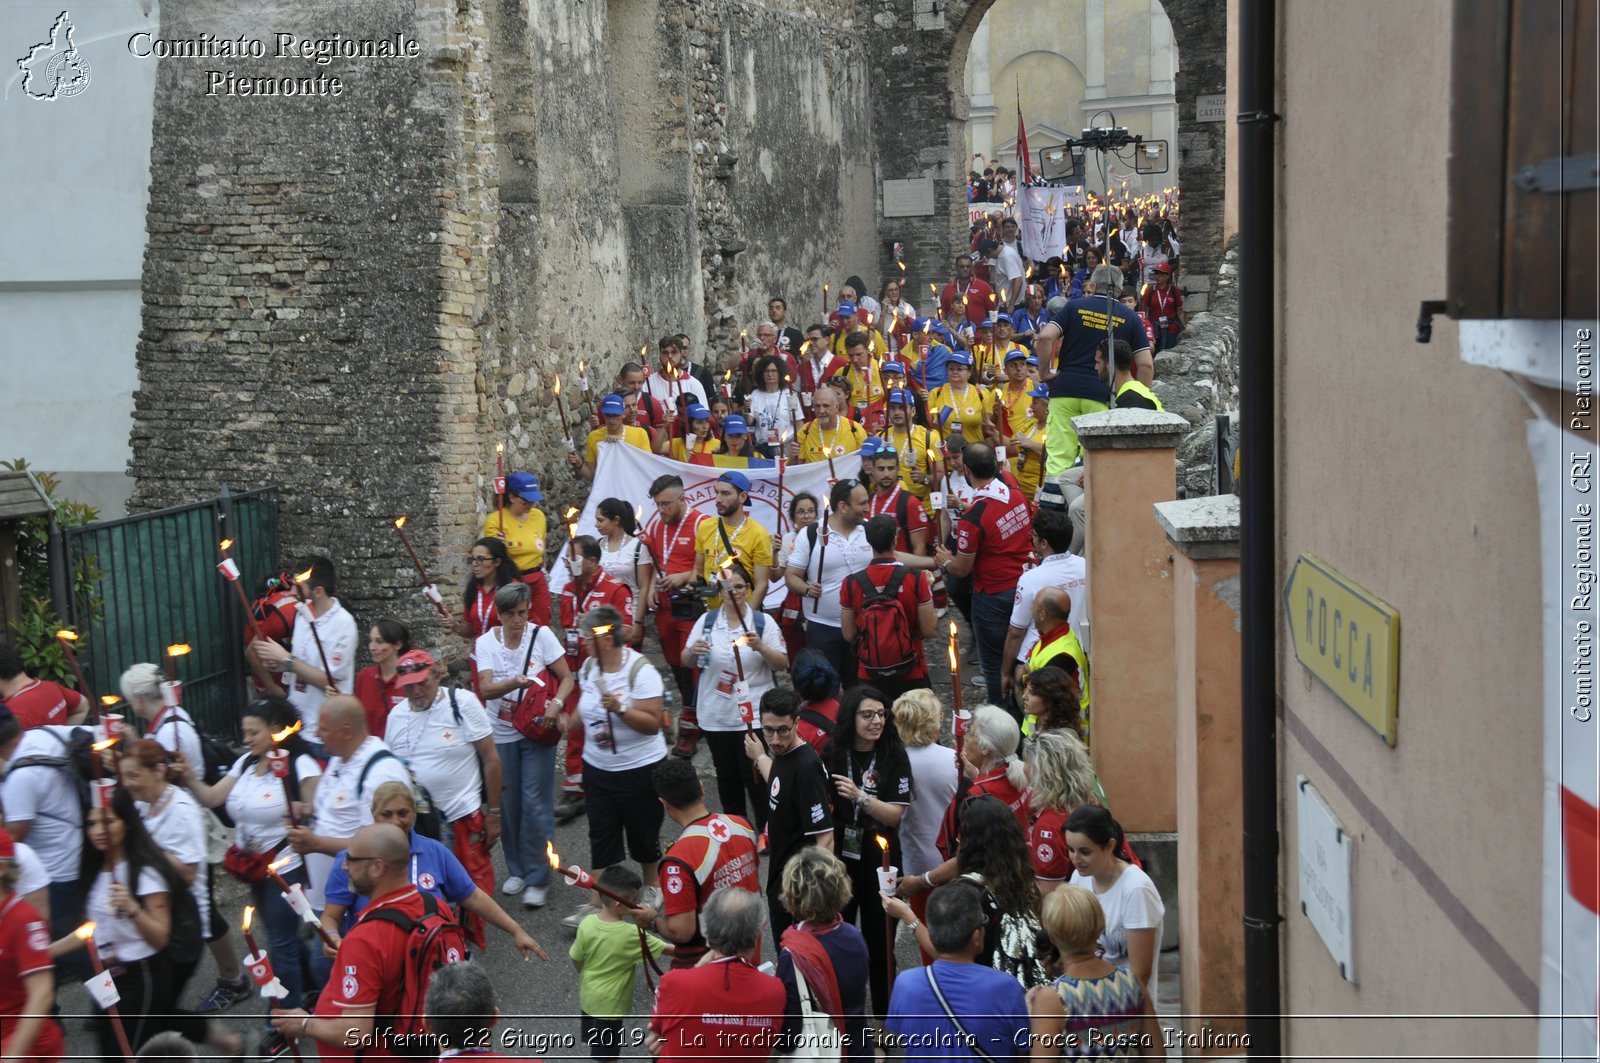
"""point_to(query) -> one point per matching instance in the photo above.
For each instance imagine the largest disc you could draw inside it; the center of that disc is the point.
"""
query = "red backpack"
(434, 941)
(884, 643)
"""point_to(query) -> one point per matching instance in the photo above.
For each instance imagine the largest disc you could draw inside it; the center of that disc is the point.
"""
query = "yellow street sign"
(1348, 638)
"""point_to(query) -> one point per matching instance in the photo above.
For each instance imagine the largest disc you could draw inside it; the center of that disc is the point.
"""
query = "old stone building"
(356, 297)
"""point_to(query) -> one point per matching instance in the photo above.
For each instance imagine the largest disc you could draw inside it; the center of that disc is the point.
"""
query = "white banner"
(626, 472)
(1044, 213)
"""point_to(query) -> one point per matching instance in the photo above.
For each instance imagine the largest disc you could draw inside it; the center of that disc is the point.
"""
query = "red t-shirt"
(481, 613)
(42, 702)
(539, 604)
(814, 736)
(377, 695)
(997, 527)
(1051, 860)
(605, 590)
(724, 1010)
(895, 503)
(369, 970)
(671, 546)
(991, 784)
(687, 881)
(913, 592)
(980, 300)
(1165, 305)
(24, 950)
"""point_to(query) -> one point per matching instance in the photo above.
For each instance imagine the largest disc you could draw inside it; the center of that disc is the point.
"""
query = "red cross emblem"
(719, 830)
(447, 735)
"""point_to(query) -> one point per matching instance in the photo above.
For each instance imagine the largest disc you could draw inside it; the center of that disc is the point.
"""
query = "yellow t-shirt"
(971, 407)
(701, 446)
(914, 456)
(880, 349)
(817, 445)
(1028, 471)
(524, 538)
(633, 435)
(750, 541)
(1017, 407)
(865, 388)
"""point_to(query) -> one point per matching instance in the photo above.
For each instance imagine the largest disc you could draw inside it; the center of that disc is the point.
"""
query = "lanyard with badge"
(854, 832)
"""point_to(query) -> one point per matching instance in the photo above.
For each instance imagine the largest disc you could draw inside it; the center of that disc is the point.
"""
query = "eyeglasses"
(776, 732)
(878, 715)
(412, 668)
(474, 559)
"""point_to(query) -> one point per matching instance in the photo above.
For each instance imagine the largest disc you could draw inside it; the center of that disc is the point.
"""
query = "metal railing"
(158, 584)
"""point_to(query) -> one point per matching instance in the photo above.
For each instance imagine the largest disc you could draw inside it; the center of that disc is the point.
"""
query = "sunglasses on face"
(474, 559)
(413, 668)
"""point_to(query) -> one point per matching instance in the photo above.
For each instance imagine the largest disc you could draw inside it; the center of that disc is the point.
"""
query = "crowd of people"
(366, 802)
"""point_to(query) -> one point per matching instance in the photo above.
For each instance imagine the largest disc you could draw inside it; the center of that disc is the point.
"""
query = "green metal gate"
(159, 585)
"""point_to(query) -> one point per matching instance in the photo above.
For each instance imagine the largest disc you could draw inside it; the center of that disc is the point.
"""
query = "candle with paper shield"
(296, 896)
(888, 874)
(310, 613)
(961, 715)
(103, 989)
(170, 658)
(577, 876)
(566, 426)
(230, 572)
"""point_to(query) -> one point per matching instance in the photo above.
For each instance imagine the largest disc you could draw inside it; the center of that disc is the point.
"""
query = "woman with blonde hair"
(1063, 779)
(829, 953)
(1103, 1008)
(934, 777)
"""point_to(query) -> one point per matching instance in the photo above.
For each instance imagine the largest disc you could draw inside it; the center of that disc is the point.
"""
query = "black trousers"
(150, 989)
(867, 904)
(737, 781)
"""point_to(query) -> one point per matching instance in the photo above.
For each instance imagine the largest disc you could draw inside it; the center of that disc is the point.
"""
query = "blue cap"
(901, 397)
(1039, 391)
(847, 309)
(698, 412)
(524, 485)
(737, 480)
(921, 324)
(960, 358)
(735, 425)
(1003, 316)
(1033, 359)
(892, 367)
(987, 322)
(871, 445)
(611, 404)
(1014, 353)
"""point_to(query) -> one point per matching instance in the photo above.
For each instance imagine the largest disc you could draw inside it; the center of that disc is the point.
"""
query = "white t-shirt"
(47, 798)
(1132, 903)
(341, 810)
(666, 391)
(257, 807)
(1007, 267)
(778, 589)
(438, 748)
(337, 630)
(1065, 570)
(175, 730)
(717, 708)
(31, 874)
(842, 556)
(502, 663)
(622, 563)
(180, 830)
(934, 776)
(115, 934)
(773, 411)
(603, 729)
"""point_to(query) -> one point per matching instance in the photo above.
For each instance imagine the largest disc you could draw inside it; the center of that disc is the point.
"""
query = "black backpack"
(884, 643)
(76, 759)
(215, 757)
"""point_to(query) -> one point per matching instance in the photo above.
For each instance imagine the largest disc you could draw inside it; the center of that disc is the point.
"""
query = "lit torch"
(296, 897)
(278, 762)
(566, 426)
(230, 572)
(429, 590)
(67, 639)
(310, 612)
(103, 989)
(961, 714)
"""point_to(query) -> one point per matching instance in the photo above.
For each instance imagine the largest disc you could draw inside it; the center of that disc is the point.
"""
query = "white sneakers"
(533, 897)
(513, 886)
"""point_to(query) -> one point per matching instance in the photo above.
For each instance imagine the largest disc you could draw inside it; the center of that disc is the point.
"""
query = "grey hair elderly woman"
(619, 704)
(724, 1001)
(990, 767)
(522, 661)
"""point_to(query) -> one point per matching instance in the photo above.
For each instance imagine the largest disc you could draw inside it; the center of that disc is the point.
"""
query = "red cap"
(413, 667)
(1162, 267)
(8, 845)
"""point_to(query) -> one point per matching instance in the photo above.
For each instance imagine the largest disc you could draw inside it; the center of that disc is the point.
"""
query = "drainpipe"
(1258, 526)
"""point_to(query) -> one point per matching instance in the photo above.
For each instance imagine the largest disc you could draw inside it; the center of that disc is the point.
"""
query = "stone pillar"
(1131, 465)
(1204, 536)
(980, 95)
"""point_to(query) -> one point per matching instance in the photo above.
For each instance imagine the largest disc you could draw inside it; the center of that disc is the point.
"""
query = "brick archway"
(920, 110)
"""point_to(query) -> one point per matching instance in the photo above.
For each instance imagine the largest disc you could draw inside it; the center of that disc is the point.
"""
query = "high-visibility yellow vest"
(1044, 652)
(1138, 388)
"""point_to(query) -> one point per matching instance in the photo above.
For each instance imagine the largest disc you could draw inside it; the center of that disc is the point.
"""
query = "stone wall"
(1199, 378)
(356, 298)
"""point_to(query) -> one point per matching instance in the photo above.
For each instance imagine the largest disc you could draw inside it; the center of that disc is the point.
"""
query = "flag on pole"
(1023, 160)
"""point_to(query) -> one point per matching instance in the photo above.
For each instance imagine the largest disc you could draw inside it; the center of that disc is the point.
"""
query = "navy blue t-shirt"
(1083, 328)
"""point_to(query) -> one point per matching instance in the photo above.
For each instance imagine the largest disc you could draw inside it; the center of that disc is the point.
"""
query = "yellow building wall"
(1407, 471)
